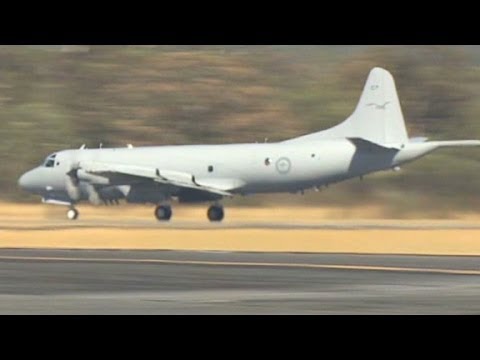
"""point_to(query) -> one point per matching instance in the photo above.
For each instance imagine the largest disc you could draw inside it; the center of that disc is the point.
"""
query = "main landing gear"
(163, 213)
(215, 213)
(72, 214)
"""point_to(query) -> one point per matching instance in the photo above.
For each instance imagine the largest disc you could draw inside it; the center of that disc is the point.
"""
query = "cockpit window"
(50, 161)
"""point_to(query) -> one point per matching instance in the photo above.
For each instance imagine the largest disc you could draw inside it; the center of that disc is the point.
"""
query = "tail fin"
(378, 117)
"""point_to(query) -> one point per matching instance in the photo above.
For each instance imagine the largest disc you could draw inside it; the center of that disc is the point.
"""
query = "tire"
(163, 213)
(72, 214)
(215, 214)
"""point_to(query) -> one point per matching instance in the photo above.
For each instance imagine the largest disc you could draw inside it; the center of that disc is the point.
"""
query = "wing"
(167, 177)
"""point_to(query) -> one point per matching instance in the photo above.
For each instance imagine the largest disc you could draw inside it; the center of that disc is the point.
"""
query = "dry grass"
(429, 242)
(260, 214)
(432, 242)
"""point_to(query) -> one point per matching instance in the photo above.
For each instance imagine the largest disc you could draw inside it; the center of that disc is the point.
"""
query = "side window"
(50, 161)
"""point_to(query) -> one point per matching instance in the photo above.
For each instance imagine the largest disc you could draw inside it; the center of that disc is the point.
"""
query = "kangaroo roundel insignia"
(283, 165)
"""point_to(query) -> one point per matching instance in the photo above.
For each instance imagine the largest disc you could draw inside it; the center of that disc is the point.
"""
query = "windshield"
(50, 161)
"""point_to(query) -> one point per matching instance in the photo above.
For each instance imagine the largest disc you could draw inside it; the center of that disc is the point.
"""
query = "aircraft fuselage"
(262, 168)
(373, 138)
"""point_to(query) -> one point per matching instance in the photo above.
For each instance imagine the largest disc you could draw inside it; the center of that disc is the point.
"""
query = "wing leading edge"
(167, 177)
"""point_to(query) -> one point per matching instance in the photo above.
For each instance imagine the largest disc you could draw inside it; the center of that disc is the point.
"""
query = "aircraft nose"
(26, 181)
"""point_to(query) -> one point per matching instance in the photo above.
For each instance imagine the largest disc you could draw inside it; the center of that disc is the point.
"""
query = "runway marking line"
(249, 264)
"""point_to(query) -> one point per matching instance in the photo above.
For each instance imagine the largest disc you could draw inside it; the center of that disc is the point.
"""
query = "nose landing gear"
(72, 214)
(215, 213)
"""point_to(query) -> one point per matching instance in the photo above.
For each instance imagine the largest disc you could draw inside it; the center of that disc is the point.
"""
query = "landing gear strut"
(215, 213)
(163, 213)
(72, 214)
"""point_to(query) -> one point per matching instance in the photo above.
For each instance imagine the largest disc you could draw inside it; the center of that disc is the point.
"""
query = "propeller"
(72, 185)
(93, 195)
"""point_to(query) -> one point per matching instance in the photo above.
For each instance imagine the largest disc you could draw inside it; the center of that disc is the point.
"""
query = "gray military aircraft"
(373, 138)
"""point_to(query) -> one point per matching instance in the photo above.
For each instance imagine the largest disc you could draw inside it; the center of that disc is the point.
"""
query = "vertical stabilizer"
(377, 118)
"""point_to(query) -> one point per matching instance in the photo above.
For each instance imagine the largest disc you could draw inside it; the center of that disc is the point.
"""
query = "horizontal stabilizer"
(418, 140)
(365, 145)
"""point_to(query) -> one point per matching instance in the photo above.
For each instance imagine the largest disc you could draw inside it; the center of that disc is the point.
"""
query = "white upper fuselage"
(257, 168)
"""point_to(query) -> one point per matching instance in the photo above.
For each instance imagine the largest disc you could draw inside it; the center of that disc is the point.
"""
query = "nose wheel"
(72, 214)
(215, 213)
(163, 213)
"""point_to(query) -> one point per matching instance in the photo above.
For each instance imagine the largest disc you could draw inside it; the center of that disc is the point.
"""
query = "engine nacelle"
(92, 179)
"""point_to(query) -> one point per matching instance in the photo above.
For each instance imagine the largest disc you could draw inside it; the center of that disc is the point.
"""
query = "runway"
(181, 282)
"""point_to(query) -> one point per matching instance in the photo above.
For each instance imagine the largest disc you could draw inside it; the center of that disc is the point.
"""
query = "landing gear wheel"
(72, 214)
(215, 213)
(163, 213)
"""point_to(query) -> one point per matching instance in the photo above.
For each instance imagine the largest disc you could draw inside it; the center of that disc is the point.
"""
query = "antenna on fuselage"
(130, 146)
(83, 147)
(101, 146)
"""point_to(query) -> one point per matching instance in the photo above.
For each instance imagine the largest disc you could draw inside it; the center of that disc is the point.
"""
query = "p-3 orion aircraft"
(373, 138)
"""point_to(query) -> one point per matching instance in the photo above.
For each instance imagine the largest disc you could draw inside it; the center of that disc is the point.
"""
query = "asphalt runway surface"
(172, 282)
